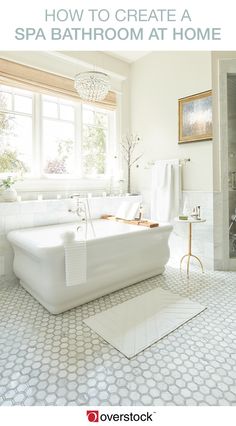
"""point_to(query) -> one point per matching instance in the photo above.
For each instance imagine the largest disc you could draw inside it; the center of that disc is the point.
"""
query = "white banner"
(121, 25)
(84, 416)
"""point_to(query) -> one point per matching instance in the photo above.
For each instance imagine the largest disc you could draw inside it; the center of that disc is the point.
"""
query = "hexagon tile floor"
(57, 360)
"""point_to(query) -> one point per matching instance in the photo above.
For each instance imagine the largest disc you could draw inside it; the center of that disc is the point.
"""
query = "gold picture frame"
(195, 117)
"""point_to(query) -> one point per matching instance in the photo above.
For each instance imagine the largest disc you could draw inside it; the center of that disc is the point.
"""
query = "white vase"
(9, 195)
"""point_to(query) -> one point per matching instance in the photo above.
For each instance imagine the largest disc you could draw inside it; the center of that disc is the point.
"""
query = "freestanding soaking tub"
(117, 256)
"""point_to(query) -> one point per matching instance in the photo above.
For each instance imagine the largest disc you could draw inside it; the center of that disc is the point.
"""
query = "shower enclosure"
(224, 153)
(231, 124)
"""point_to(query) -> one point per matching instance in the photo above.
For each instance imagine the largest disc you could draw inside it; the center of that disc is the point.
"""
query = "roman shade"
(36, 80)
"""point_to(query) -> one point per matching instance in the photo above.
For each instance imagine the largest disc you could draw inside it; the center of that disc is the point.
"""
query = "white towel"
(165, 190)
(75, 260)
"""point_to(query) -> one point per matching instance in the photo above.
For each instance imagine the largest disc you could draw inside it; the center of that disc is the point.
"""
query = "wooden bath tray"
(143, 222)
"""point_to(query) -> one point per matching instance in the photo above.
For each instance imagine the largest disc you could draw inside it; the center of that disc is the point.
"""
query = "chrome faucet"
(83, 212)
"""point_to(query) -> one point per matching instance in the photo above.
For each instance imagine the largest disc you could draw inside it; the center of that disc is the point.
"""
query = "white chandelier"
(92, 85)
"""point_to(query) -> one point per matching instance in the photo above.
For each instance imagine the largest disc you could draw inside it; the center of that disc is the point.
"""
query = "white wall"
(157, 82)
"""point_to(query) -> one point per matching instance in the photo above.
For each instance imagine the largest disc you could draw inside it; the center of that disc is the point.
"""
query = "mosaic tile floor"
(57, 360)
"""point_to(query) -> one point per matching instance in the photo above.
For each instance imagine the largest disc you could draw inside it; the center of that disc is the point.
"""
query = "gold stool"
(190, 254)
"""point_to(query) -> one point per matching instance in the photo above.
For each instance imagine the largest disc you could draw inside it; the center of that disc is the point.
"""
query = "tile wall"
(27, 214)
(37, 213)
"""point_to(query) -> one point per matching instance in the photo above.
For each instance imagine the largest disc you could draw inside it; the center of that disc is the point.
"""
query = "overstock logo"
(94, 416)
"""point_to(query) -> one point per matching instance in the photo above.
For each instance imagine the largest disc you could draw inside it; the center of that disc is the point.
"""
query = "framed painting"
(195, 117)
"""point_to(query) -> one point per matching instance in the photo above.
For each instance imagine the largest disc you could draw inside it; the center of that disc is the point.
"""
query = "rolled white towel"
(68, 237)
(75, 259)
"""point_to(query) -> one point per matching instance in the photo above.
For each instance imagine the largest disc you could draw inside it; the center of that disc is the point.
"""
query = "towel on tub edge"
(75, 260)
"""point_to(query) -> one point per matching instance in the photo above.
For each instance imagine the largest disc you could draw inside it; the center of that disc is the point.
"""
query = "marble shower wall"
(224, 112)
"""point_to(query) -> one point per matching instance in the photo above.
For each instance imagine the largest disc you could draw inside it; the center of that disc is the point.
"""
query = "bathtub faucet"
(76, 196)
(79, 207)
(82, 209)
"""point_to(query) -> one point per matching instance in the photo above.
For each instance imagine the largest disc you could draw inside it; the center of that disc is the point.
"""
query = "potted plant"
(8, 192)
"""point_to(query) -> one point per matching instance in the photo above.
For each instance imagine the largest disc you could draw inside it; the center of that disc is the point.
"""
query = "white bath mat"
(136, 324)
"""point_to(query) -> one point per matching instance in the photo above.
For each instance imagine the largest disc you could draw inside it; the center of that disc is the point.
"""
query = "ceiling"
(128, 57)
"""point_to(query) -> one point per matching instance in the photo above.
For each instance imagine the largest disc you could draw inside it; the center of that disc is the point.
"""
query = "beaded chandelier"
(92, 85)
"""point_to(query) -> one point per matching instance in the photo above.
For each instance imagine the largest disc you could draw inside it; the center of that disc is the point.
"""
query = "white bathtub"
(118, 256)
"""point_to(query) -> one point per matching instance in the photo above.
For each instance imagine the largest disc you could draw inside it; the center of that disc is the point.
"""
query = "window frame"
(38, 180)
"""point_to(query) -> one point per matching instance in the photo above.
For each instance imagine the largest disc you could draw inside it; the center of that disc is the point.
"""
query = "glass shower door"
(231, 106)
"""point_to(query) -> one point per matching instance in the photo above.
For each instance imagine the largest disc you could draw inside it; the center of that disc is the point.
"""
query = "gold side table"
(190, 254)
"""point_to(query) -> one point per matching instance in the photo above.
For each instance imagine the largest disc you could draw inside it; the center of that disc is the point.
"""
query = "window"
(15, 130)
(46, 136)
(58, 136)
(95, 128)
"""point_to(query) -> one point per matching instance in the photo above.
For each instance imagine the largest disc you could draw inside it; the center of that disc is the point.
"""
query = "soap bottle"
(186, 208)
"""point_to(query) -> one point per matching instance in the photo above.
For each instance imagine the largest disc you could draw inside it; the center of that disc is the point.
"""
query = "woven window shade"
(36, 80)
